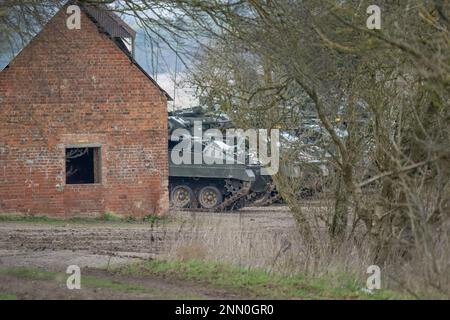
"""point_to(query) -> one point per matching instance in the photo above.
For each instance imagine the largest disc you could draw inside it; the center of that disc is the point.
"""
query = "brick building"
(83, 128)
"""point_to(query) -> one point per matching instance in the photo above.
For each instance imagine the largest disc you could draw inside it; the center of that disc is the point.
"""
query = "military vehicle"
(232, 186)
(209, 185)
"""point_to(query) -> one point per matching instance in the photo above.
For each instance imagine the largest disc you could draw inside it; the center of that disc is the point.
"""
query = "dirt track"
(119, 241)
(118, 288)
(53, 247)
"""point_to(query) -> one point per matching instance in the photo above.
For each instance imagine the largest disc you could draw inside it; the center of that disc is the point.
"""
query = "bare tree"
(279, 63)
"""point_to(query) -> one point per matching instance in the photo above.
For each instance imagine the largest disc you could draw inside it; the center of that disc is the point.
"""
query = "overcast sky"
(160, 64)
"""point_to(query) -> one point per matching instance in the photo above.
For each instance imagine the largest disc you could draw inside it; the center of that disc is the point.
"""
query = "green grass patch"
(26, 218)
(39, 274)
(105, 218)
(257, 282)
(127, 287)
(114, 285)
(88, 281)
(31, 273)
(112, 217)
(7, 296)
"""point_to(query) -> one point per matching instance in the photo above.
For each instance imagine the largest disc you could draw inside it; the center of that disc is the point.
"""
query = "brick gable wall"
(76, 87)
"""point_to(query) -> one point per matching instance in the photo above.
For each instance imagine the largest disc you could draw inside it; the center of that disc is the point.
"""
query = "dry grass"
(268, 239)
(191, 251)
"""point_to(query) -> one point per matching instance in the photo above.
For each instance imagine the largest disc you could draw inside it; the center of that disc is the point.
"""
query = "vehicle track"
(96, 240)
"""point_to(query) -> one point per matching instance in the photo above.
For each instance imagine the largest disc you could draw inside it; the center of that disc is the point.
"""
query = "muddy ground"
(99, 245)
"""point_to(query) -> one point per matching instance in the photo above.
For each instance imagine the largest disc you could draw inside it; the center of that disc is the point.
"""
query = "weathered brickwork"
(76, 87)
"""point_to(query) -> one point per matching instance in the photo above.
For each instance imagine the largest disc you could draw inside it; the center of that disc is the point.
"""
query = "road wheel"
(209, 197)
(181, 196)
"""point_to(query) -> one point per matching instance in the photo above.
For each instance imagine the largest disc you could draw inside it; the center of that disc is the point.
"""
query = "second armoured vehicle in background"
(210, 186)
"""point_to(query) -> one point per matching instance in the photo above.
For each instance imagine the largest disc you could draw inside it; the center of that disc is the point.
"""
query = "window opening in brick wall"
(83, 165)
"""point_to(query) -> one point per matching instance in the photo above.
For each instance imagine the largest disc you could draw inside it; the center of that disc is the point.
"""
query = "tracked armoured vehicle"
(218, 187)
(231, 186)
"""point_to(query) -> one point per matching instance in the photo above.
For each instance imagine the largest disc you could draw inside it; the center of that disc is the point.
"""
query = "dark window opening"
(83, 165)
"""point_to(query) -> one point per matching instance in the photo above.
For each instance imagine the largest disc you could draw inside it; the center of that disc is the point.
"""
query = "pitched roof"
(115, 28)
(109, 21)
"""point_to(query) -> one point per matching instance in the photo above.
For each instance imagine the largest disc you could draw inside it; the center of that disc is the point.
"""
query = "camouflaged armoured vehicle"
(214, 186)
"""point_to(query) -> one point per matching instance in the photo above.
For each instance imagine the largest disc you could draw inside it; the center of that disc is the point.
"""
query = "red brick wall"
(76, 87)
